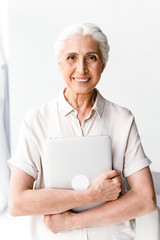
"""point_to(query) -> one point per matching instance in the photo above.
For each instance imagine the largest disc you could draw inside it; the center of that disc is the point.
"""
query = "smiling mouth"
(81, 79)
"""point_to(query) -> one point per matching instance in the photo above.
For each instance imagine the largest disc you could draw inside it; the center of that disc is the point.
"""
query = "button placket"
(76, 124)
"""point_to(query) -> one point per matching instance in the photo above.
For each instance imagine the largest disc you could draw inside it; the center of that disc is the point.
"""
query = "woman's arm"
(139, 200)
(23, 200)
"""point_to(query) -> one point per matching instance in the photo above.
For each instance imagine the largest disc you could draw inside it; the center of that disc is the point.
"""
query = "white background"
(132, 75)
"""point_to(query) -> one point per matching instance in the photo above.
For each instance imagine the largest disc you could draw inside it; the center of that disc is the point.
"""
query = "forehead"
(80, 44)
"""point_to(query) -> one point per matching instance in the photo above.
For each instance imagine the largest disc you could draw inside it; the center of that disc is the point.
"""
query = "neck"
(80, 102)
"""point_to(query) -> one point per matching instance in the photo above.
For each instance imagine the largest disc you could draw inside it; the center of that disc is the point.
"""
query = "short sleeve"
(135, 158)
(26, 155)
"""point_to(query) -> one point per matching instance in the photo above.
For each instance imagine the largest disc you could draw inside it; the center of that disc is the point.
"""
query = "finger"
(112, 174)
(117, 180)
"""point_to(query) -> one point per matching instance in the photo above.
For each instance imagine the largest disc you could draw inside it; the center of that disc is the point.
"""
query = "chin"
(83, 90)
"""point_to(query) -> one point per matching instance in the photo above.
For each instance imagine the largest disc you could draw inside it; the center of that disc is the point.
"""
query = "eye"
(71, 58)
(92, 58)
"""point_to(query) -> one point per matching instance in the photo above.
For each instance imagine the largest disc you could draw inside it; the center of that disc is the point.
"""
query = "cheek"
(65, 71)
(68, 69)
(97, 69)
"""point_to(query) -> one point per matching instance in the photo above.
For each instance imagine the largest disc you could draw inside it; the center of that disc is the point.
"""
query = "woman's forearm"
(23, 200)
(129, 206)
(47, 201)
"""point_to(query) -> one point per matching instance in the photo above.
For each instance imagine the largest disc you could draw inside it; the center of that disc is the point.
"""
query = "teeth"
(81, 80)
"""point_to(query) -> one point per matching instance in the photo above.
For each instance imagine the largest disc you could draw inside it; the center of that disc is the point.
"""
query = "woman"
(82, 53)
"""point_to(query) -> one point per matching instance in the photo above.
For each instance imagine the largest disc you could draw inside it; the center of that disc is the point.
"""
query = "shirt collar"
(66, 108)
(99, 103)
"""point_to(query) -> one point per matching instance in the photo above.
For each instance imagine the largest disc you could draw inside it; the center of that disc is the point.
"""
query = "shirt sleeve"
(27, 154)
(135, 158)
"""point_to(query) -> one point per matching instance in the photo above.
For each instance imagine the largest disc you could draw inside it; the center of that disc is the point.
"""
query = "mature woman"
(82, 53)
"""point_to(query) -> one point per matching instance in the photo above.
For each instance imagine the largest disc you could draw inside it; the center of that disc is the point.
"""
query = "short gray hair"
(84, 29)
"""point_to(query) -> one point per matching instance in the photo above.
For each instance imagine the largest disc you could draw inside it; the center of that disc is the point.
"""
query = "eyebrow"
(93, 53)
(70, 53)
(86, 53)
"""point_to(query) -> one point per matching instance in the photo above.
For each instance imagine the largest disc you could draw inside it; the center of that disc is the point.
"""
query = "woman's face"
(81, 64)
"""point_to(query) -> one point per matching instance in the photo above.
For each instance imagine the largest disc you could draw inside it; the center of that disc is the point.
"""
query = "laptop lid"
(74, 163)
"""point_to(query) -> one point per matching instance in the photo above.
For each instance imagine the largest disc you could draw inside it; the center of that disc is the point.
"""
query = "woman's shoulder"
(112, 107)
(117, 107)
(116, 110)
(40, 111)
(118, 115)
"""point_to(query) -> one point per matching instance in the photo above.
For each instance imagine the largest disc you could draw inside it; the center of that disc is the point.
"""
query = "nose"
(81, 66)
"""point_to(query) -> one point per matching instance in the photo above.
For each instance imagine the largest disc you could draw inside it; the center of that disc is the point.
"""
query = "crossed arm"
(54, 204)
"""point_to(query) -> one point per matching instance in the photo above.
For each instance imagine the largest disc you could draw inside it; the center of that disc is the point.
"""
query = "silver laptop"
(74, 163)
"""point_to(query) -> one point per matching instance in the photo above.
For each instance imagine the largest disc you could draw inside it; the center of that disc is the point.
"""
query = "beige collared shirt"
(57, 118)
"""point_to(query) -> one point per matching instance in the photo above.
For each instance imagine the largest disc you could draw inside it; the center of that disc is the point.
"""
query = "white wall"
(132, 74)
(4, 42)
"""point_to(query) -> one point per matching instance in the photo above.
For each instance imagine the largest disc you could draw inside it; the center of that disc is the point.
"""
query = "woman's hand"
(61, 222)
(107, 187)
